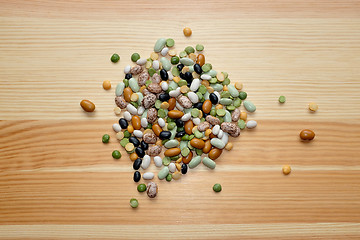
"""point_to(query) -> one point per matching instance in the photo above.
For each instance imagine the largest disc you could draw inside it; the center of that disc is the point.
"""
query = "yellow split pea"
(313, 107)
(286, 169)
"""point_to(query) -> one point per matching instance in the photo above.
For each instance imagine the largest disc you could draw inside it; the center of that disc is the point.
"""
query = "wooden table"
(57, 180)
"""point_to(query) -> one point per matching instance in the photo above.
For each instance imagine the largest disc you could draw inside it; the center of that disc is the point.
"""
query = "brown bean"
(143, 77)
(149, 100)
(154, 88)
(156, 78)
(157, 129)
(235, 115)
(214, 153)
(172, 152)
(172, 103)
(120, 102)
(188, 158)
(175, 114)
(197, 143)
(151, 115)
(188, 127)
(200, 59)
(184, 101)
(207, 146)
(127, 94)
(206, 107)
(154, 150)
(136, 70)
(87, 105)
(203, 126)
(136, 122)
(149, 137)
(307, 135)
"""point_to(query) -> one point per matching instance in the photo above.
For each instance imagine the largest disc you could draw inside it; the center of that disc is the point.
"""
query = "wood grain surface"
(58, 181)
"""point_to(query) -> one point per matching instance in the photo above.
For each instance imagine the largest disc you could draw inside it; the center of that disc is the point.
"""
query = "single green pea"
(237, 102)
(182, 54)
(171, 125)
(127, 134)
(206, 67)
(141, 187)
(282, 99)
(166, 161)
(213, 80)
(175, 60)
(198, 152)
(174, 158)
(202, 119)
(182, 83)
(162, 113)
(157, 104)
(217, 187)
(225, 94)
(134, 203)
(213, 112)
(220, 112)
(169, 177)
(225, 74)
(151, 71)
(105, 138)
(116, 154)
(184, 138)
(124, 141)
(189, 49)
(195, 112)
(126, 82)
(242, 95)
(170, 120)
(230, 107)
(241, 123)
(175, 71)
(199, 47)
(170, 42)
(135, 57)
(198, 134)
(202, 89)
(185, 151)
(115, 58)
(199, 94)
(221, 119)
(226, 82)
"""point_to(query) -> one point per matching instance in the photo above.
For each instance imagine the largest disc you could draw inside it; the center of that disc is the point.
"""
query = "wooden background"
(57, 180)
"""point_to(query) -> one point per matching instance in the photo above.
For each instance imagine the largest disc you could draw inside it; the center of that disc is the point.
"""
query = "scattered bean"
(217, 187)
(286, 169)
(152, 189)
(313, 107)
(187, 32)
(87, 105)
(307, 135)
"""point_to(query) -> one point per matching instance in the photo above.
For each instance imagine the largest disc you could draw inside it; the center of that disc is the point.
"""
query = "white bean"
(220, 134)
(179, 107)
(116, 127)
(164, 51)
(138, 133)
(127, 69)
(195, 85)
(216, 129)
(175, 93)
(158, 161)
(161, 122)
(164, 85)
(186, 117)
(251, 124)
(140, 110)
(144, 122)
(145, 162)
(171, 76)
(205, 77)
(148, 175)
(141, 61)
(225, 138)
(131, 109)
(196, 121)
(172, 167)
(193, 97)
(156, 64)
(127, 116)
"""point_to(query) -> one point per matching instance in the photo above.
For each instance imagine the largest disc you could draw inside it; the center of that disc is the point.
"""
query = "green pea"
(175, 71)
(170, 42)
(115, 58)
(135, 57)
(170, 120)
(175, 60)
(194, 112)
(202, 89)
(126, 82)
(127, 134)
(206, 67)
(198, 152)
(202, 119)
(226, 82)
(116, 154)
(185, 137)
(189, 49)
(134, 203)
(151, 71)
(169, 177)
(157, 104)
(135, 104)
(141, 187)
(182, 54)
(166, 161)
(282, 99)
(217, 187)
(199, 47)
(174, 158)
(237, 102)
(200, 96)
(185, 151)
(124, 141)
(162, 113)
(105, 138)
(225, 94)
(182, 83)
(171, 126)
(213, 112)
(198, 134)
(242, 95)
(220, 112)
(213, 80)
(241, 123)
(191, 137)
(230, 107)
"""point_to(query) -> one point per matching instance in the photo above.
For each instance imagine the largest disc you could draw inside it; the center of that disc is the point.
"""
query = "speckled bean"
(235, 115)
(154, 150)
(120, 102)
(149, 100)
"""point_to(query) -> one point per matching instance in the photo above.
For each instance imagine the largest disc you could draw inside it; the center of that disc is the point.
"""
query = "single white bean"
(172, 167)
(148, 176)
(164, 51)
(164, 85)
(196, 121)
(179, 107)
(156, 65)
(251, 124)
(220, 134)
(175, 93)
(158, 161)
(225, 138)
(195, 84)
(138, 133)
(141, 110)
(216, 129)
(116, 127)
(193, 97)
(127, 116)
(205, 77)
(127, 69)
(144, 122)
(186, 117)
(145, 162)
(141, 61)
(131, 109)
(161, 122)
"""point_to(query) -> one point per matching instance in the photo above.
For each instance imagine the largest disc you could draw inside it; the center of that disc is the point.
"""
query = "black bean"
(137, 176)
(128, 76)
(140, 152)
(182, 76)
(197, 69)
(180, 66)
(198, 105)
(163, 74)
(134, 141)
(165, 135)
(213, 98)
(179, 123)
(164, 97)
(188, 76)
(144, 145)
(184, 168)
(137, 163)
(123, 123)
(180, 134)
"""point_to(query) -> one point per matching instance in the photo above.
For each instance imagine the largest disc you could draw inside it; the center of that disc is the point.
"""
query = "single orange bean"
(206, 107)
(136, 122)
(214, 153)
(127, 94)
(188, 158)
(200, 59)
(130, 129)
(197, 143)
(157, 129)
(172, 152)
(106, 84)
(133, 156)
(176, 113)
(207, 147)
(172, 103)
(87, 105)
(187, 31)
(189, 126)
(307, 134)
